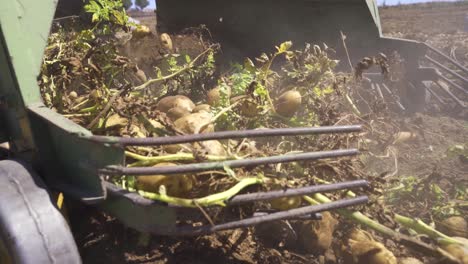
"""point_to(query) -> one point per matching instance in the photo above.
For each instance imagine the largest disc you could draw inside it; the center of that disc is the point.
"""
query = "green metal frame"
(57, 146)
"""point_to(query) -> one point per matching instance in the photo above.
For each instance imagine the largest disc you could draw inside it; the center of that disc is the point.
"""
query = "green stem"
(353, 215)
(214, 199)
(90, 109)
(422, 228)
(172, 75)
(148, 161)
(354, 107)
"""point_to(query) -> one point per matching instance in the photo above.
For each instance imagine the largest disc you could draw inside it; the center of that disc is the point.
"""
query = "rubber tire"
(31, 227)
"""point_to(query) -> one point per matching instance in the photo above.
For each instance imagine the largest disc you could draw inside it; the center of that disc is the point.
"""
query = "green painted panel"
(25, 25)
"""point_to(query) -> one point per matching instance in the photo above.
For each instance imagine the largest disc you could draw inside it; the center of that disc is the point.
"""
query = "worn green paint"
(57, 147)
(374, 11)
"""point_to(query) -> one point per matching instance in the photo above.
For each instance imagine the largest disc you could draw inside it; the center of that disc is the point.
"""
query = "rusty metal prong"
(387, 89)
(397, 98)
(234, 134)
(447, 69)
(452, 83)
(262, 196)
(282, 215)
(379, 91)
(444, 87)
(205, 166)
(428, 87)
(316, 216)
(461, 67)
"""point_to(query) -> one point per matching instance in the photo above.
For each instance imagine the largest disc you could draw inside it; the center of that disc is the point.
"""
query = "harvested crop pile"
(90, 76)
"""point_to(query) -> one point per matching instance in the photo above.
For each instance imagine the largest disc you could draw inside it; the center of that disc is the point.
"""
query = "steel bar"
(198, 167)
(283, 215)
(452, 83)
(446, 89)
(226, 135)
(379, 91)
(387, 89)
(435, 95)
(397, 98)
(447, 69)
(316, 216)
(461, 67)
(261, 196)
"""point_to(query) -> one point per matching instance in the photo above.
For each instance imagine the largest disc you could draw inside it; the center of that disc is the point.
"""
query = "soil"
(102, 239)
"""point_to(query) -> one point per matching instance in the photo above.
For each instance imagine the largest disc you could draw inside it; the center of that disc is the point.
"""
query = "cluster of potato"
(287, 104)
(191, 119)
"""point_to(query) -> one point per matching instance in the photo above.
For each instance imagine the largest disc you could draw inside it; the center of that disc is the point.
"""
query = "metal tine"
(452, 83)
(261, 196)
(450, 71)
(282, 215)
(445, 88)
(397, 99)
(316, 216)
(226, 135)
(379, 91)
(434, 94)
(199, 167)
(461, 67)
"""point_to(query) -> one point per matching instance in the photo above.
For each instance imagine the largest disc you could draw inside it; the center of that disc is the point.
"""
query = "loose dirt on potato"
(420, 167)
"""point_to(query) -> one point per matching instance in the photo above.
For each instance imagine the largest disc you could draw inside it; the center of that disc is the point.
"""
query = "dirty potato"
(166, 41)
(176, 185)
(176, 113)
(285, 203)
(454, 226)
(409, 261)
(316, 236)
(195, 123)
(363, 249)
(176, 101)
(213, 96)
(201, 108)
(458, 251)
(213, 147)
(288, 103)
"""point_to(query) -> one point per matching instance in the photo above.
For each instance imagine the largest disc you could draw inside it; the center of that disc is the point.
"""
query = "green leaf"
(230, 172)
(285, 46)
(249, 65)
(95, 17)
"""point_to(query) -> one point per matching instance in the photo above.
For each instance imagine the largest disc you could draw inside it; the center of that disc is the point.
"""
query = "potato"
(73, 95)
(176, 185)
(176, 113)
(363, 249)
(247, 108)
(213, 147)
(286, 203)
(180, 101)
(166, 41)
(454, 226)
(202, 107)
(457, 251)
(316, 236)
(409, 261)
(214, 96)
(172, 148)
(194, 122)
(288, 103)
